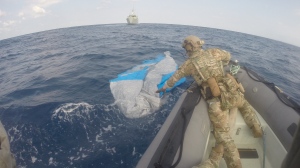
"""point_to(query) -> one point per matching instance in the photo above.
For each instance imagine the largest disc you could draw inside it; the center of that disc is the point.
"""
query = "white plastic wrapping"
(134, 90)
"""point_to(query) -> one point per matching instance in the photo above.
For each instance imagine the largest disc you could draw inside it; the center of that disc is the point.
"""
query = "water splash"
(68, 111)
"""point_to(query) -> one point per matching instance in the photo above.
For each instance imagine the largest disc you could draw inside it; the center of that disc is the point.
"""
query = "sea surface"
(55, 99)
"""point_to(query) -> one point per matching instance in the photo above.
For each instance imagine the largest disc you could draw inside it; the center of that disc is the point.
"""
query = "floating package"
(134, 90)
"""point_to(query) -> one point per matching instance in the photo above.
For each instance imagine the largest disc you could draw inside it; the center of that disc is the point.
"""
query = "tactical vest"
(207, 66)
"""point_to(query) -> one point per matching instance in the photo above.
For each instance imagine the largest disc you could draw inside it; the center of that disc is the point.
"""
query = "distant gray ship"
(132, 19)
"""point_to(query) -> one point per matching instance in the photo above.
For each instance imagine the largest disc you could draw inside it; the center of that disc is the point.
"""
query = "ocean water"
(55, 100)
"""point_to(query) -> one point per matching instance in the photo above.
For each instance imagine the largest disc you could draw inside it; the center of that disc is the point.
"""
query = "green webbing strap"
(234, 69)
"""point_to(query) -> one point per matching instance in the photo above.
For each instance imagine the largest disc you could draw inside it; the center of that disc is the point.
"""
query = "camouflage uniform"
(201, 65)
(249, 117)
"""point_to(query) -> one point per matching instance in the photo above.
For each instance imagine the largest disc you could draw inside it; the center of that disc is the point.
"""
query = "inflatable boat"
(186, 139)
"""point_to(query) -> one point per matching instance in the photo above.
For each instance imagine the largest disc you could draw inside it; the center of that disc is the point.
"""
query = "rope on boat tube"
(278, 92)
(158, 164)
(183, 112)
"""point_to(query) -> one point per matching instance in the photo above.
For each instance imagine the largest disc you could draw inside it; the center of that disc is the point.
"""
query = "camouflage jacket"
(201, 65)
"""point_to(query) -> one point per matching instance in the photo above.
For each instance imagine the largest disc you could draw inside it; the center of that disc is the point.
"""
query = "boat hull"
(185, 141)
(131, 20)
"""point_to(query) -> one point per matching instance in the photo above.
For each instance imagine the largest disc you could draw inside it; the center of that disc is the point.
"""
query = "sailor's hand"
(161, 90)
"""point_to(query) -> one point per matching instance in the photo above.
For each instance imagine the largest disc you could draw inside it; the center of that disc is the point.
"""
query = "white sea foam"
(112, 150)
(109, 128)
(73, 158)
(14, 133)
(50, 160)
(71, 107)
(98, 139)
(33, 159)
(66, 111)
(133, 152)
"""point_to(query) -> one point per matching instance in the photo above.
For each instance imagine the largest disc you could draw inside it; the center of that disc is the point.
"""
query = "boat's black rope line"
(184, 112)
(273, 87)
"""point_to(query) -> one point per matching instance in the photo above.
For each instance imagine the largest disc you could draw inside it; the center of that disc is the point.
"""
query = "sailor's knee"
(232, 157)
(7, 160)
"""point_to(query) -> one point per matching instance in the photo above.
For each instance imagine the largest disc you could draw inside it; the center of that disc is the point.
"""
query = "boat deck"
(266, 152)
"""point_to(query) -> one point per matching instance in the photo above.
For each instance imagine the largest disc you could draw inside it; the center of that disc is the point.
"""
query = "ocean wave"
(67, 111)
(55, 99)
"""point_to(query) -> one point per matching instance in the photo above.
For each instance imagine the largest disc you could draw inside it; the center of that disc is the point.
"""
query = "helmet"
(191, 43)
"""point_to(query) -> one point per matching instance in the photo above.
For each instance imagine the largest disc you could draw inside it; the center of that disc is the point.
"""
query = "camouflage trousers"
(220, 121)
(248, 113)
(234, 99)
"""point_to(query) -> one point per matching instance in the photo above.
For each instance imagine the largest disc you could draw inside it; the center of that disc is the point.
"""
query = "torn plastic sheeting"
(134, 90)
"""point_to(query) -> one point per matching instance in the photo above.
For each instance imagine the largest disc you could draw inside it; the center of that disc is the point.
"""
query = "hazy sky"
(274, 19)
